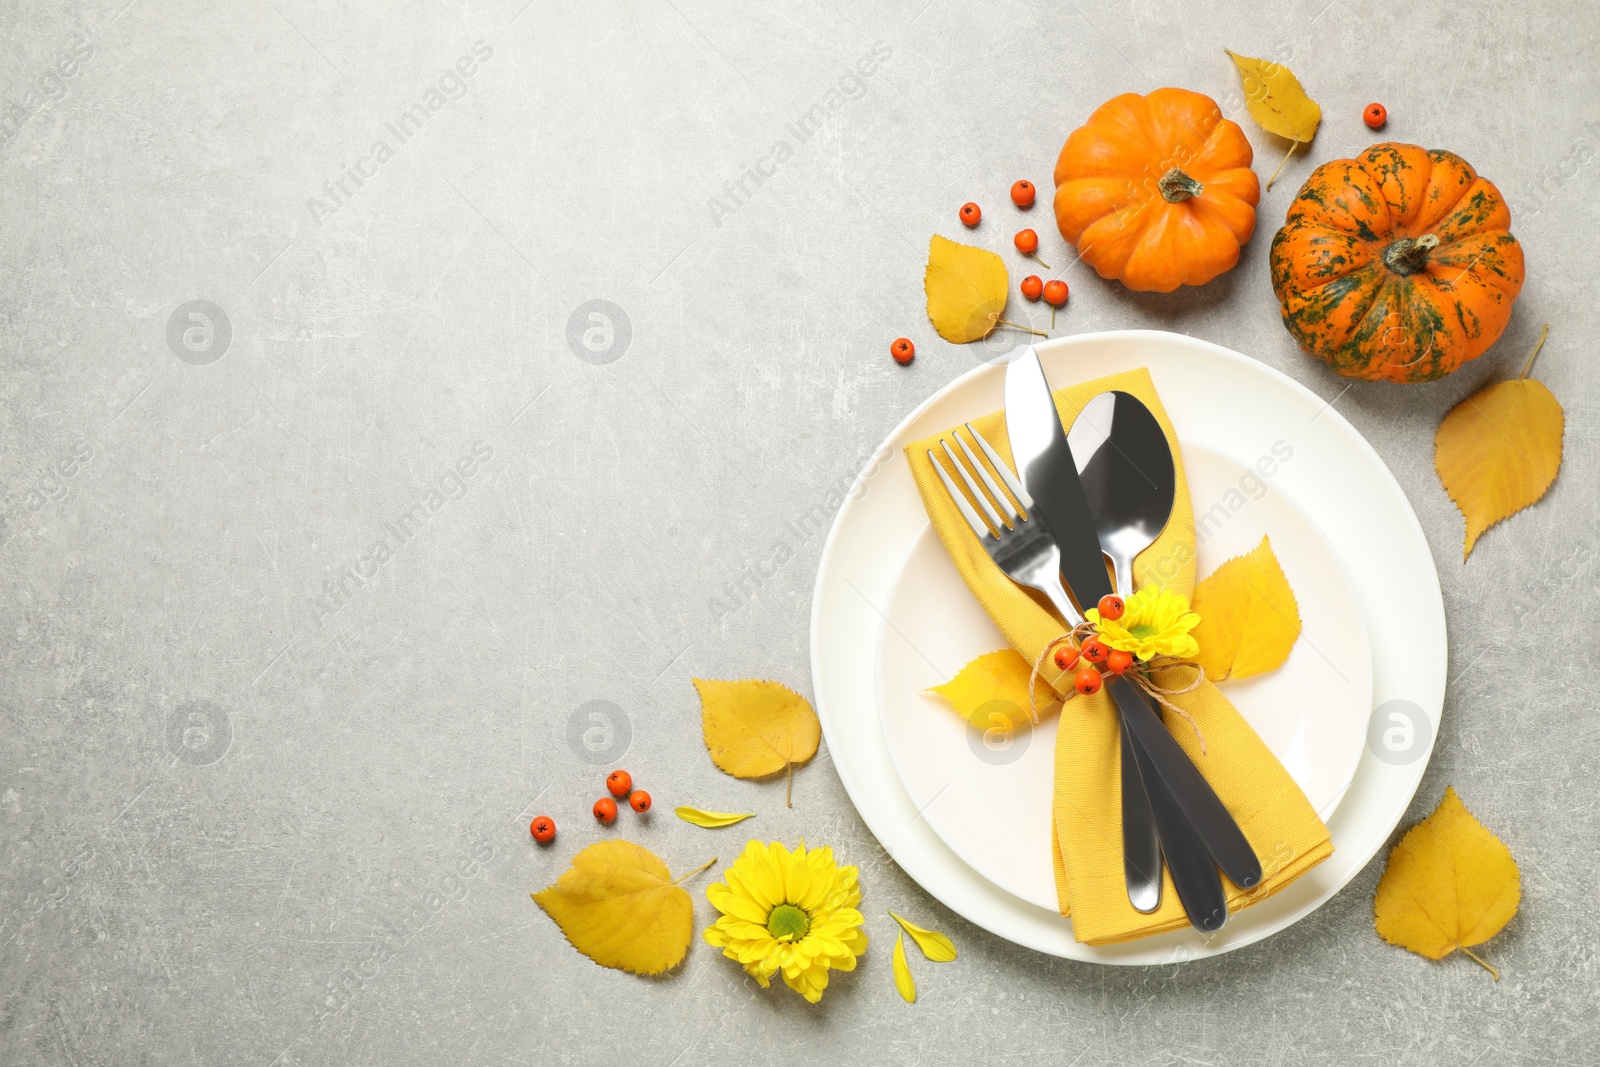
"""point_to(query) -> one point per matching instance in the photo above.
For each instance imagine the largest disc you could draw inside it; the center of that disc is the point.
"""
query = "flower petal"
(752, 952)
(797, 880)
(739, 930)
(758, 879)
(809, 984)
(741, 907)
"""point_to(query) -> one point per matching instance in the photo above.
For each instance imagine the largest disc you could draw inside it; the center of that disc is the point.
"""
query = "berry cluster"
(1095, 653)
(619, 784)
(1054, 291)
(1027, 242)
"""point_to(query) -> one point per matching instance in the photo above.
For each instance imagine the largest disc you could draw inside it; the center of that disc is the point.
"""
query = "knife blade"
(1044, 461)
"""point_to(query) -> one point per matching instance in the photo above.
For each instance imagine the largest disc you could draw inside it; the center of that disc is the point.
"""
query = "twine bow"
(1140, 674)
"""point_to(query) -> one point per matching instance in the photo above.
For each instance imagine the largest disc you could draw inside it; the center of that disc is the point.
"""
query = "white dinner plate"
(890, 617)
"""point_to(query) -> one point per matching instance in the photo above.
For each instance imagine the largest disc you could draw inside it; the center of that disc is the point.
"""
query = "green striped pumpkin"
(1398, 265)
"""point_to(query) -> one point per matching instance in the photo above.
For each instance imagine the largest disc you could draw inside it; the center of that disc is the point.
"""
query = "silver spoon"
(1129, 478)
(1128, 475)
(1100, 436)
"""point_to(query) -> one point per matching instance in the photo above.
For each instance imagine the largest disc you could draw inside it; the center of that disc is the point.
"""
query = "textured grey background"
(239, 829)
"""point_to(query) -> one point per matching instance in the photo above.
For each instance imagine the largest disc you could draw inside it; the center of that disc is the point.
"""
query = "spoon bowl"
(1128, 475)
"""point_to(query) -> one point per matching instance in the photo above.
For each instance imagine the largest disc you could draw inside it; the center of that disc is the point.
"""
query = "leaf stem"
(1017, 326)
(788, 794)
(1481, 962)
(1292, 146)
(1528, 366)
(713, 859)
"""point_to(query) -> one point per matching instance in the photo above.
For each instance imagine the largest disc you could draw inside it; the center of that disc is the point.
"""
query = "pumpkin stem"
(1528, 366)
(1176, 186)
(1409, 255)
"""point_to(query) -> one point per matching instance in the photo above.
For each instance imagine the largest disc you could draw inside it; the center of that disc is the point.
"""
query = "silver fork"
(1025, 550)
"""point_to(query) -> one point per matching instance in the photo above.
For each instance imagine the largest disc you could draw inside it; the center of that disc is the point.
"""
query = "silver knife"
(1034, 435)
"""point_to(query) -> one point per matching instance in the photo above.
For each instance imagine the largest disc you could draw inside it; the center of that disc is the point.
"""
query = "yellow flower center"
(788, 922)
(1143, 631)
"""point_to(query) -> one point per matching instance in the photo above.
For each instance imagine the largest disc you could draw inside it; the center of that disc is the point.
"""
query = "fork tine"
(977, 493)
(1017, 492)
(988, 482)
(979, 530)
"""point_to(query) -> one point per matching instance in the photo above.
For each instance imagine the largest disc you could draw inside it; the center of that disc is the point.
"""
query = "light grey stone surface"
(238, 828)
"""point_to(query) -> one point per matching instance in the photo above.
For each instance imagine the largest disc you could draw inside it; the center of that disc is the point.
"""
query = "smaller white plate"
(988, 796)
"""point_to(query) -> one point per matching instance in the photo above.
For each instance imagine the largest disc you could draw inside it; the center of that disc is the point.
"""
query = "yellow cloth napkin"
(1271, 809)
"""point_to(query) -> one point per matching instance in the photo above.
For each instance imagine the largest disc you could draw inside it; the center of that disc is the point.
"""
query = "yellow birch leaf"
(966, 289)
(755, 728)
(991, 692)
(712, 820)
(933, 944)
(1450, 884)
(618, 905)
(902, 972)
(1498, 451)
(1248, 617)
(1275, 98)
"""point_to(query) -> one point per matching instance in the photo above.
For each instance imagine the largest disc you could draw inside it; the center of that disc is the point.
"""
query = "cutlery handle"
(1194, 874)
(1141, 843)
(1056, 593)
(1217, 830)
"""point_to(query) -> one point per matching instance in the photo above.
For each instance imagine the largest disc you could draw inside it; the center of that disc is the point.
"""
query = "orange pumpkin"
(1397, 265)
(1157, 190)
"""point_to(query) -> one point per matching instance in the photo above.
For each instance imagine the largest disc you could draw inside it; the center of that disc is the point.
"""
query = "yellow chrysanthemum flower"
(1154, 623)
(789, 912)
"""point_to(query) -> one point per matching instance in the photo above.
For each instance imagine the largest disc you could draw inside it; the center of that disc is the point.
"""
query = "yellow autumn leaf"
(902, 972)
(618, 905)
(1276, 99)
(966, 289)
(755, 728)
(991, 692)
(1498, 451)
(933, 944)
(1450, 884)
(1248, 617)
(712, 820)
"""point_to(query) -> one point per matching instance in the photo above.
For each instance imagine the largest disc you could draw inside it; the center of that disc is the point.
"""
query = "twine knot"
(1140, 674)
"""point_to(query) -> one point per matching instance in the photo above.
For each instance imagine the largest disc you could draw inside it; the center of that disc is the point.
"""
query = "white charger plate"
(1332, 501)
